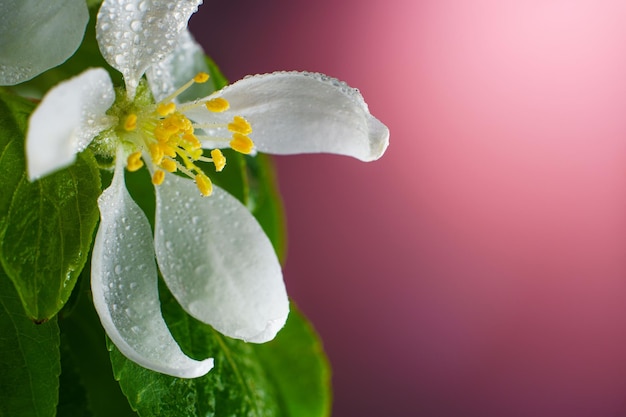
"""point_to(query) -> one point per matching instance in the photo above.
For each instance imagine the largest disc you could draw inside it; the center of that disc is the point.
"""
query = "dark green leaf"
(29, 359)
(72, 394)
(46, 227)
(84, 336)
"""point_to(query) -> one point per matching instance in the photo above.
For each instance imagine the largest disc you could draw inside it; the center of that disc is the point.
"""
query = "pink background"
(479, 268)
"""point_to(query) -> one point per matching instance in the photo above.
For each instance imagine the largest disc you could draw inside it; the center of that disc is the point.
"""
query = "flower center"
(165, 138)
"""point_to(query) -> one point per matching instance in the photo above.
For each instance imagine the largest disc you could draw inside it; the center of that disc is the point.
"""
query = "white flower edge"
(125, 287)
(38, 35)
(135, 34)
(217, 261)
(68, 118)
(301, 112)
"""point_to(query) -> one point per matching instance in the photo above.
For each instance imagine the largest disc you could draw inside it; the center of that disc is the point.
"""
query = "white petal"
(294, 113)
(218, 262)
(124, 286)
(166, 76)
(134, 34)
(68, 118)
(37, 35)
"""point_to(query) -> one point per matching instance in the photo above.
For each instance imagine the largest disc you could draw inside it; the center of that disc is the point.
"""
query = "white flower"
(211, 252)
(37, 35)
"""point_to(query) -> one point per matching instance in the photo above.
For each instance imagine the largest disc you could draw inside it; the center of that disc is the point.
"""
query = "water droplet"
(118, 269)
(135, 25)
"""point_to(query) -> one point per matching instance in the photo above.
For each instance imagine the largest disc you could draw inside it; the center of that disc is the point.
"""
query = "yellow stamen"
(134, 162)
(169, 165)
(131, 122)
(158, 177)
(201, 77)
(165, 109)
(217, 105)
(241, 143)
(240, 125)
(156, 153)
(218, 159)
(204, 184)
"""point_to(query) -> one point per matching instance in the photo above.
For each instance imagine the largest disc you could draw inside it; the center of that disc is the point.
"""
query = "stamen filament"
(199, 78)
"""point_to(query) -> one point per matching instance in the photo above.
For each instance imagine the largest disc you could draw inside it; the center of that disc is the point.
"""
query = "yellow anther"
(218, 159)
(131, 122)
(217, 105)
(204, 184)
(191, 140)
(134, 162)
(169, 165)
(240, 125)
(168, 150)
(201, 77)
(158, 177)
(162, 134)
(241, 143)
(156, 153)
(165, 109)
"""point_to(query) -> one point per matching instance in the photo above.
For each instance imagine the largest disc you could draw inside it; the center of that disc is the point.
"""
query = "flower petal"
(218, 262)
(176, 69)
(292, 113)
(68, 118)
(135, 34)
(37, 35)
(124, 286)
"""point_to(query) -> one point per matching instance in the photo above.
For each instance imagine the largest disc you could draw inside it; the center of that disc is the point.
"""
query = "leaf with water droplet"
(46, 227)
(288, 377)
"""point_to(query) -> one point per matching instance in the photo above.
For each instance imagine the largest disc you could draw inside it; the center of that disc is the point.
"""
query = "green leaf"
(265, 202)
(46, 227)
(218, 79)
(295, 362)
(72, 394)
(29, 359)
(84, 336)
(248, 380)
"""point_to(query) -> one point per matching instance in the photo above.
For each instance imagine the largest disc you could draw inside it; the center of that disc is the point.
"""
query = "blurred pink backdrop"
(478, 268)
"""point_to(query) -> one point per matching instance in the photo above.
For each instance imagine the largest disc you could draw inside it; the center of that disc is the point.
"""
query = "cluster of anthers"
(169, 138)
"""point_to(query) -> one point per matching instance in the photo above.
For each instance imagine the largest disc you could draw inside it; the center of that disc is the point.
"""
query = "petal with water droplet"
(220, 266)
(37, 35)
(134, 34)
(294, 112)
(179, 67)
(124, 286)
(68, 118)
